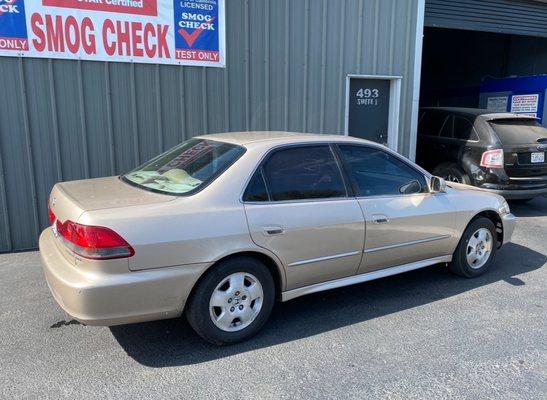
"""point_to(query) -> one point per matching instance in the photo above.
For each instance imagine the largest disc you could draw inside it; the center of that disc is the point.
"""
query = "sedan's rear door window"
(307, 172)
(256, 190)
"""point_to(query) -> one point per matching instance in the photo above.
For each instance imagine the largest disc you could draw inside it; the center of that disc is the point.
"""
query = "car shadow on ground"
(533, 208)
(173, 343)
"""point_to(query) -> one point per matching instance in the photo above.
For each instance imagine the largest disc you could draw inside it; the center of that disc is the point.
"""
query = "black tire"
(452, 173)
(197, 307)
(460, 265)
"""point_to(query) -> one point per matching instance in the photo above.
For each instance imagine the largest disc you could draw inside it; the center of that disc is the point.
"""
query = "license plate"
(538, 157)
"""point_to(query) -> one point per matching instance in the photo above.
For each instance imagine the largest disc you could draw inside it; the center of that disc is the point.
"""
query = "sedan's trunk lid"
(69, 200)
(102, 193)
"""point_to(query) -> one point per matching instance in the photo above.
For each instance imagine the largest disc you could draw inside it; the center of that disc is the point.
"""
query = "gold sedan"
(222, 225)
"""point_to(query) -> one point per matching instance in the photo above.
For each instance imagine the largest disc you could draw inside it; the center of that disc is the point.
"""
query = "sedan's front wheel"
(232, 302)
(476, 249)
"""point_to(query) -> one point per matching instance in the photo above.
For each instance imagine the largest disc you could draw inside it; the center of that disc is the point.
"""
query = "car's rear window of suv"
(513, 131)
(186, 168)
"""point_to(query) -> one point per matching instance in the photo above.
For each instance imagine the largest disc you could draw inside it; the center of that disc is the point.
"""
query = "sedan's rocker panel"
(360, 278)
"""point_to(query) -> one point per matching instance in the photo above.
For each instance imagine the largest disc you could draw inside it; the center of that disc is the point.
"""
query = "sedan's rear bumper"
(103, 298)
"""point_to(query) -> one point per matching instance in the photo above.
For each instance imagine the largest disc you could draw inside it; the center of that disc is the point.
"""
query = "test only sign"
(185, 32)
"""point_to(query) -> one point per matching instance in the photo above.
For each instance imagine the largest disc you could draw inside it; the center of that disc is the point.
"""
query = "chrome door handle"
(273, 230)
(380, 219)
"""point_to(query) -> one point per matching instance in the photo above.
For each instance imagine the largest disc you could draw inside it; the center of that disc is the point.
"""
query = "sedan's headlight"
(504, 208)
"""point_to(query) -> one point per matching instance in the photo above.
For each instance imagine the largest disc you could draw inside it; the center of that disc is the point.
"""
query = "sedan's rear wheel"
(236, 302)
(232, 302)
(476, 249)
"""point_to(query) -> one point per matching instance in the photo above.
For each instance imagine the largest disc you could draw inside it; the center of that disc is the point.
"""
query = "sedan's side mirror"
(437, 184)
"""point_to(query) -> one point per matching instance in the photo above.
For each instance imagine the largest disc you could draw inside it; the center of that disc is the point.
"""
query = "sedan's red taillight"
(492, 159)
(95, 242)
(51, 215)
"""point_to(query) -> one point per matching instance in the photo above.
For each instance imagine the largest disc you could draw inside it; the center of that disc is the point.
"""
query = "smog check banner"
(185, 32)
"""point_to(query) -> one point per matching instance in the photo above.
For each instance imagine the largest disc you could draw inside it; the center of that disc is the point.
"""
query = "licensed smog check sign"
(184, 32)
(197, 27)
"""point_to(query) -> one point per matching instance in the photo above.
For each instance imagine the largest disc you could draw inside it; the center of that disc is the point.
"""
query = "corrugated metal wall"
(517, 17)
(64, 120)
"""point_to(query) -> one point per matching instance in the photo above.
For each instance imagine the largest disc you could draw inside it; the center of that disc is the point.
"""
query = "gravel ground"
(423, 334)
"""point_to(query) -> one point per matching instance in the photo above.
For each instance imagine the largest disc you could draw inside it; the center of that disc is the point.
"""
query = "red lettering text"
(54, 33)
(37, 23)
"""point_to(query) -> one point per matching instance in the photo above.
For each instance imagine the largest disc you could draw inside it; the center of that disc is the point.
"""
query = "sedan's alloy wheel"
(479, 248)
(236, 302)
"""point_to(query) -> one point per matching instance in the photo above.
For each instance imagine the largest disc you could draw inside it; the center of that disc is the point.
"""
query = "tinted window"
(308, 172)
(431, 123)
(186, 167)
(463, 129)
(421, 123)
(376, 172)
(446, 130)
(518, 130)
(256, 190)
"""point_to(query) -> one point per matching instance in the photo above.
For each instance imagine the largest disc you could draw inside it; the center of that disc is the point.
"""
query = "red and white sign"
(142, 7)
(525, 103)
(140, 31)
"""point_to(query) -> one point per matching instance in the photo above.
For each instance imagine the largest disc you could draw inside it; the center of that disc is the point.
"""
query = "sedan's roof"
(276, 137)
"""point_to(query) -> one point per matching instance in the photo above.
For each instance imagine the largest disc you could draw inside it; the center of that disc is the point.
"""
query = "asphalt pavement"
(425, 334)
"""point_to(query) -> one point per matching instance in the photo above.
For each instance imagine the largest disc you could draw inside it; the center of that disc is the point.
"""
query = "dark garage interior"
(455, 61)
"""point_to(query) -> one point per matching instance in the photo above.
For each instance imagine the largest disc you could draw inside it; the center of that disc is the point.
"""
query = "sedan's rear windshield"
(514, 131)
(185, 168)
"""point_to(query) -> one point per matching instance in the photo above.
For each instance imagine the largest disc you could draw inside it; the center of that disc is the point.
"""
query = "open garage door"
(514, 17)
(470, 43)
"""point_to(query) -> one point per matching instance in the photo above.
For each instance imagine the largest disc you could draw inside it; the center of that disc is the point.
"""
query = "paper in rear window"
(185, 168)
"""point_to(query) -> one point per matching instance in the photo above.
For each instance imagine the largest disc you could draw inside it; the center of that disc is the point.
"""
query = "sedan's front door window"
(377, 173)
(307, 172)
